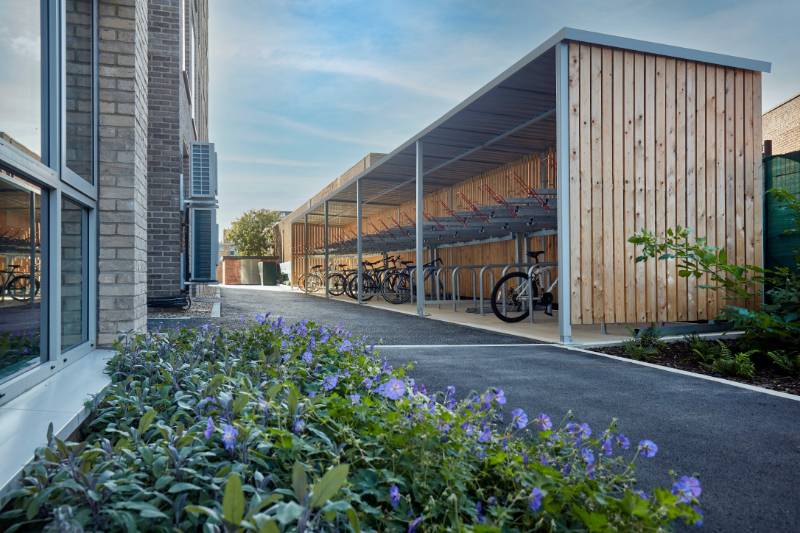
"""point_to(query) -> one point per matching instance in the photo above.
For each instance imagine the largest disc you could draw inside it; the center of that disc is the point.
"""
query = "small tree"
(251, 233)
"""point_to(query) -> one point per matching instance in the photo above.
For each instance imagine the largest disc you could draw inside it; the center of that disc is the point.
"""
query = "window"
(22, 305)
(79, 145)
(74, 274)
(21, 76)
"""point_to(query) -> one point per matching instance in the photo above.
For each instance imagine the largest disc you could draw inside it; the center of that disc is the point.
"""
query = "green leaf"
(299, 482)
(269, 527)
(327, 487)
(146, 421)
(201, 509)
(233, 500)
(293, 400)
(182, 487)
(240, 403)
(353, 517)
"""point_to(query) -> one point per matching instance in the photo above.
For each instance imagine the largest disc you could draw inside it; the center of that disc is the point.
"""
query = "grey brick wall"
(122, 185)
(781, 125)
(172, 130)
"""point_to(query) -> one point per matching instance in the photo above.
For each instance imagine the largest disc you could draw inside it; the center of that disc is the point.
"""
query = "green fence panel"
(780, 171)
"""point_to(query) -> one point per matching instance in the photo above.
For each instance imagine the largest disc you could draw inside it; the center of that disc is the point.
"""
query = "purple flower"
(346, 346)
(355, 399)
(298, 426)
(485, 436)
(412, 526)
(687, 489)
(367, 383)
(648, 448)
(500, 396)
(519, 418)
(264, 406)
(307, 357)
(479, 513)
(393, 389)
(209, 428)
(535, 499)
(587, 455)
(229, 434)
(330, 381)
(544, 421)
(481, 453)
(623, 441)
(605, 445)
(394, 496)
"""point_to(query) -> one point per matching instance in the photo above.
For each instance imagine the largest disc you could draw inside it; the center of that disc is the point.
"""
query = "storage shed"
(585, 141)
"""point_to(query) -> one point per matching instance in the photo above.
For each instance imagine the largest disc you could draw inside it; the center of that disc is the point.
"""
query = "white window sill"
(59, 399)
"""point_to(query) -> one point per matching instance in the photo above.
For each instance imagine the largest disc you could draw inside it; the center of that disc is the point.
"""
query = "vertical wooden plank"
(730, 166)
(629, 191)
(640, 286)
(670, 191)
(740, 194)
(720, 158)
(749, 253)
(691, 179)
(757, 176)
(680, 175)
(700, 155)
(598, 301)
(618, 174)
(711, 165)
(650, 180)
(660, 182)
(586, 241)
(607, 132)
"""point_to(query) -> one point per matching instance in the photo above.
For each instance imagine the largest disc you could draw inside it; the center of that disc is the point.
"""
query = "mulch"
(679, 355)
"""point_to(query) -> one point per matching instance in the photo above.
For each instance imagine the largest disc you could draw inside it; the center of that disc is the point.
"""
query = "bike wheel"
(19, 288)
(396, 288)
(337, 284)
(313, 283)
(510, 299)
(369, 288)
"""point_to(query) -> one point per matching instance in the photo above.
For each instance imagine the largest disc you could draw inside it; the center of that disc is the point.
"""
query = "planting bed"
(680, 355)
(278, 427)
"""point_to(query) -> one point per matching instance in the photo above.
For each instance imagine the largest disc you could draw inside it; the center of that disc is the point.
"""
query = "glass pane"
(21, 301)
(74, 285)
(21, 75)
(79, 88)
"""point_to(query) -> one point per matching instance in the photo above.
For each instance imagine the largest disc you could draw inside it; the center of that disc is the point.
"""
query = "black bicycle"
(20, 285)
(396, 288)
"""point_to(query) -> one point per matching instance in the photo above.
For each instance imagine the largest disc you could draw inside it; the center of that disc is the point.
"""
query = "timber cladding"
(654, 143)
(509, 181)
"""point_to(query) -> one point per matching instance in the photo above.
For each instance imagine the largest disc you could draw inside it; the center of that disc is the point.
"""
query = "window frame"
(55, 180)
(67, 174)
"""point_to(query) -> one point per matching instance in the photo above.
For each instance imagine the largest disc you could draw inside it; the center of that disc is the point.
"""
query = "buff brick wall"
(781, 125)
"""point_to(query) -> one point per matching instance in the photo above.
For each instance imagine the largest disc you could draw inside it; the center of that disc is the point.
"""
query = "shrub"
(718, 357)
(786, 362)
(276, 427)
(646, 343)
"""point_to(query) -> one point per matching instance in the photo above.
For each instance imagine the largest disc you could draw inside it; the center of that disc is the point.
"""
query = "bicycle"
(511, 293)
(310, 281)
(396, 288)
(17, 284)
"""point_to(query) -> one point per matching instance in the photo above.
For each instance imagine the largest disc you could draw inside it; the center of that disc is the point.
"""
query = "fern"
(787, 363)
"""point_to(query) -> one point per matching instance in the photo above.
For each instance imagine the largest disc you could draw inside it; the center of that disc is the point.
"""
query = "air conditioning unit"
(204, 170)
(203, 243)
(202, 202)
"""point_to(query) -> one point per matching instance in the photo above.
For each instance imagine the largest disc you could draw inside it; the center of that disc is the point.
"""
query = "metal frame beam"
(562, 199)
(420, 233)
(326, 260)
(359, 244)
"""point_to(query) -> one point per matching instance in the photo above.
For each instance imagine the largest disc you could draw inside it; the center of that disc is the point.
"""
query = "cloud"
(264, 160)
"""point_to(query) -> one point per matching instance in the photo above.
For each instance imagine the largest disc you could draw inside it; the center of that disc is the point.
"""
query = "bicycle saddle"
(342, 265)
(535, 255)
(316, 267)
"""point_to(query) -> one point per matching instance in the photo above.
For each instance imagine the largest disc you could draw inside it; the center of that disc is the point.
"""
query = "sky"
(300, 90)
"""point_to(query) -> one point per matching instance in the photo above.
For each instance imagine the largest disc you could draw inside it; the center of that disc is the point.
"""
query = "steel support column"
(305, 250)
(359, 244)
(420, 235)
(325, 249)
(562, 179)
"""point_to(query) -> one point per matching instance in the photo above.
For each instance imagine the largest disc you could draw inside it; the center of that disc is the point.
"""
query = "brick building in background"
(782, 127)
(178, 125)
